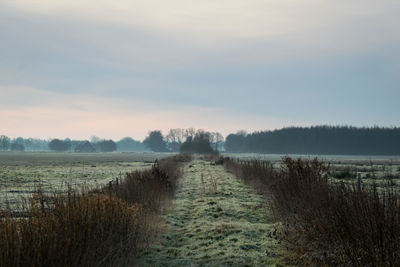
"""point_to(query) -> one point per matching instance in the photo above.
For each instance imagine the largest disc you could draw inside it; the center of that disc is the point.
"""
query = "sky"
(116, 68)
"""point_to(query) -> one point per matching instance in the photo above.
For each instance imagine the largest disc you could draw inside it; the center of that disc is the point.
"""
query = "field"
(22, 174)
(343, 168)
(221, 214)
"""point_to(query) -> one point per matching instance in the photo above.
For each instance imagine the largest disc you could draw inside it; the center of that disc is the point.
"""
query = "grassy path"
(216, 221)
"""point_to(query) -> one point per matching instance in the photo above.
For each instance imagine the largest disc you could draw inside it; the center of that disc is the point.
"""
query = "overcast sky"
(123, 67)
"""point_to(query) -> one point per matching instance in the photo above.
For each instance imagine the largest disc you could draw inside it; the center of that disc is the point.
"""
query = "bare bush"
(334, 224)
(103, 227)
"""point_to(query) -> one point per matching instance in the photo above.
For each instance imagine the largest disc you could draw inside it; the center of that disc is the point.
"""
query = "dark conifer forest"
(328, 140)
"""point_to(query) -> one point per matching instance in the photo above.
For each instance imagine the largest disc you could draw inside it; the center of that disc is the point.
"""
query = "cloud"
(81, 116)
(225, 19)
(234, 64)
(239, 18)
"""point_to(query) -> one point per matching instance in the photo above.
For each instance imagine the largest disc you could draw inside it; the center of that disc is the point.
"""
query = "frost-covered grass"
(22, 173)
(343, 168)
(105, 227)
(216, 221)
(328, 224)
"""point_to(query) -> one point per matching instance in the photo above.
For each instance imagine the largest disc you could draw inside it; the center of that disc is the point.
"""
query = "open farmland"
(21, 174)
(225, 212)
(342, 167)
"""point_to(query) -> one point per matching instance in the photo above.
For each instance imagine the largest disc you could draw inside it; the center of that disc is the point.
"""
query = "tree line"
(21, 144)
(185, 140)
(317, 140)
(323, 140)
(96, 144)
(176, 140)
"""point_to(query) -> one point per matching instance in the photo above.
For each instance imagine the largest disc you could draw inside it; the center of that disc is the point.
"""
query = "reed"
(102, 227)
(329, 223)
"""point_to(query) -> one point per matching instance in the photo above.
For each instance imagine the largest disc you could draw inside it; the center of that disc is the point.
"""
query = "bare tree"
(203, 133)
(171, 137)
(190, 132)
(95, 139)
(180, 135)
(219, 139)
(215, 139)
(175, 138)
(212, 136)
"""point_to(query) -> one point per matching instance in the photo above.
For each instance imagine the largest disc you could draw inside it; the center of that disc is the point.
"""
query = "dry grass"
(102, 227)
(76, 230)
(150, 188)
(334, 224)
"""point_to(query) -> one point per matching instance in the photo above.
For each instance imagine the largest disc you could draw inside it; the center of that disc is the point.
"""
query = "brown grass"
(102, 227)
(75, 230)
(333, 224)
(150, 188)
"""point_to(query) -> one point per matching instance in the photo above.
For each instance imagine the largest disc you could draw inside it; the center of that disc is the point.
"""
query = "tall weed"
(334, 224)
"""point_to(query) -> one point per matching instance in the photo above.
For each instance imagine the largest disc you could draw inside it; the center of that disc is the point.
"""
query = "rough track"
(216, 221)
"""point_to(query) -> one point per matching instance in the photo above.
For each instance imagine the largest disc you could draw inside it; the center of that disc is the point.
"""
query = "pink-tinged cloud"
(53, 122)
(57, 115)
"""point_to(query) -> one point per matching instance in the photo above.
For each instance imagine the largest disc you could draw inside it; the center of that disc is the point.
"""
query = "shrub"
(335, 224)
(100, 227)
(74, 230)
(151, 188)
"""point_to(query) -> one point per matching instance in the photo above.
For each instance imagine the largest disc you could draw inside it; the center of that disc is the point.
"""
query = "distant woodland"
(96, 144)
(316, 140)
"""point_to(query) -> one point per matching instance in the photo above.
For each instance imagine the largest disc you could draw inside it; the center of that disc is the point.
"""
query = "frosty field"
(342, 167)
(21, 174)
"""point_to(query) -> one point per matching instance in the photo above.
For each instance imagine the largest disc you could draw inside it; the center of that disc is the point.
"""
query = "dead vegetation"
(103, 227)
(334, 224)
